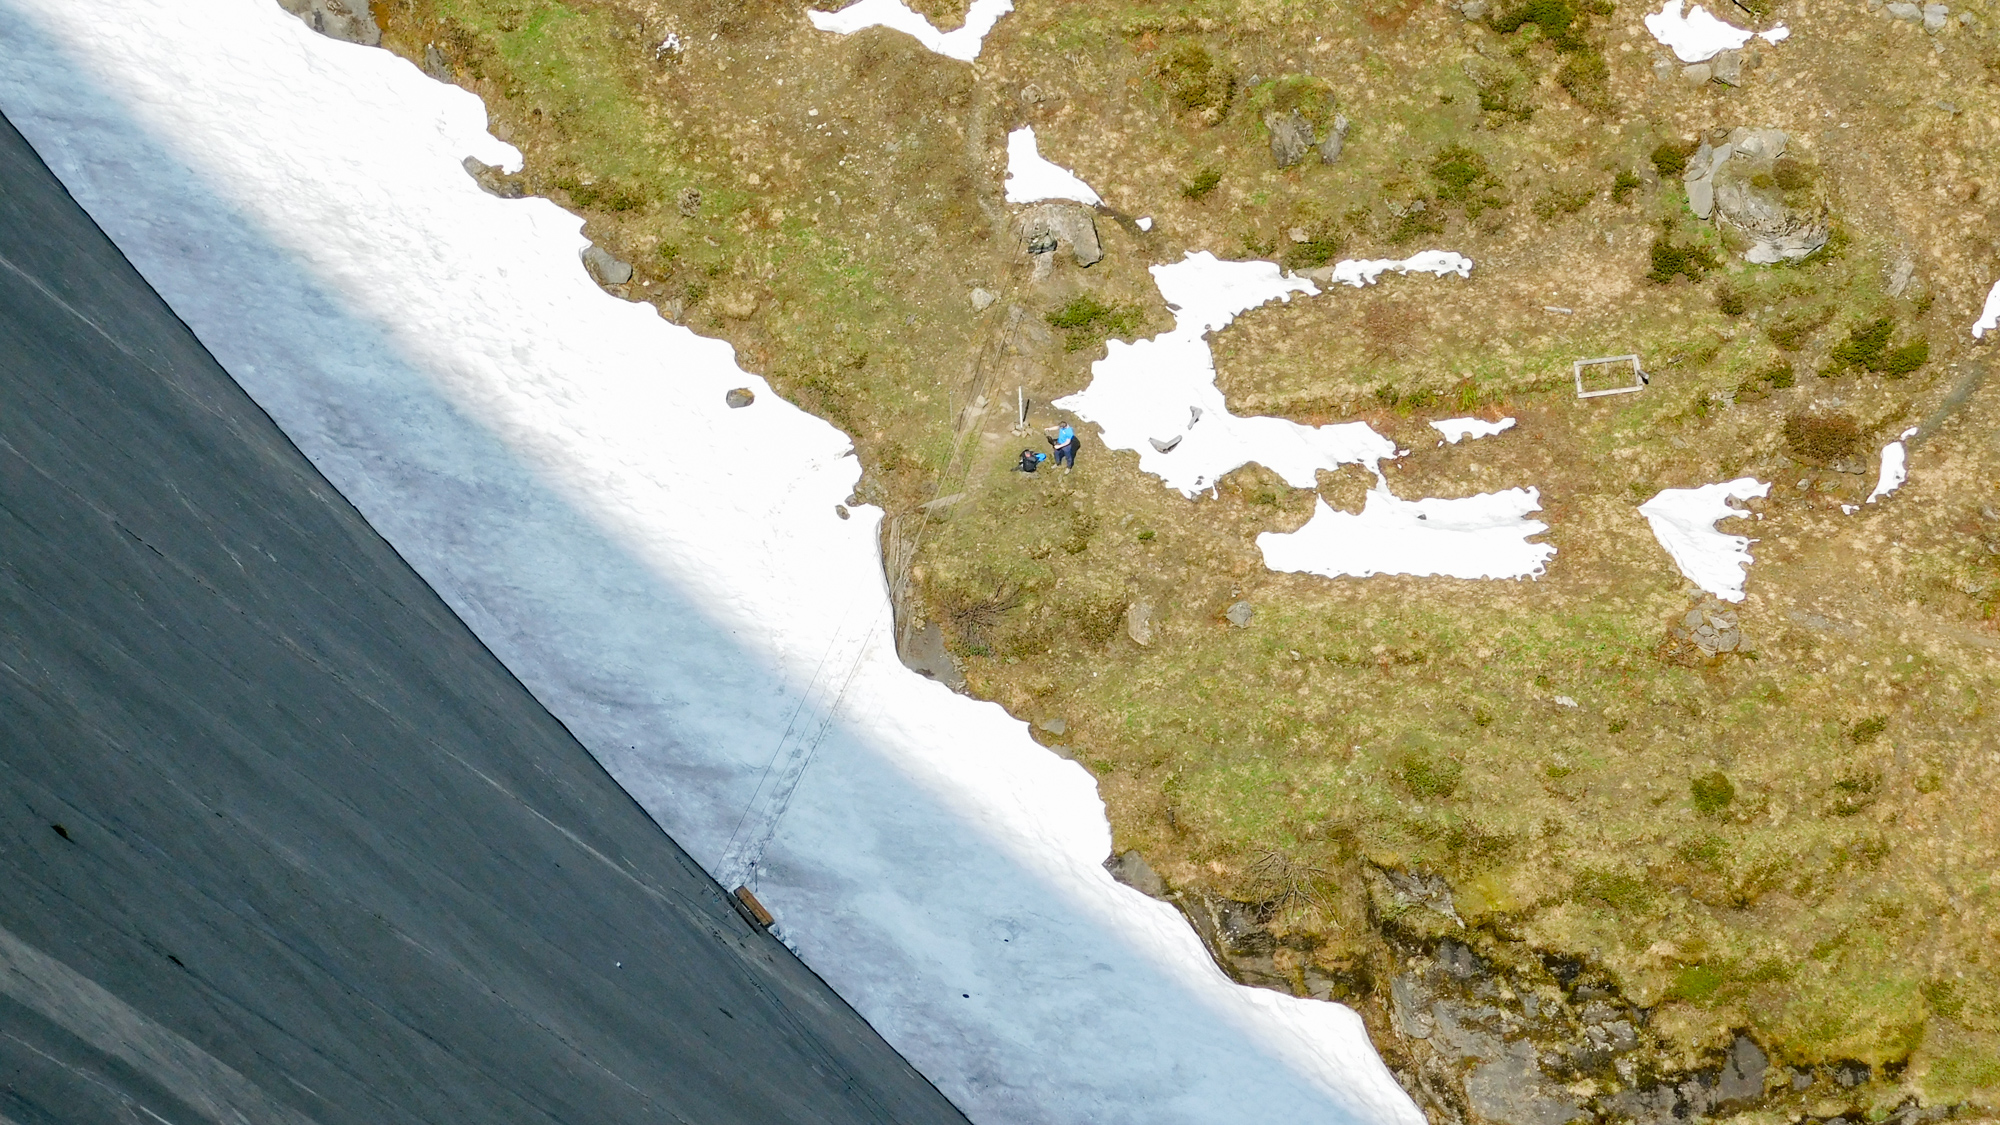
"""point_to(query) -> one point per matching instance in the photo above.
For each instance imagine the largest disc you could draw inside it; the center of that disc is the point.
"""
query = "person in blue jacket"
(1030, 461)
(1066, 443)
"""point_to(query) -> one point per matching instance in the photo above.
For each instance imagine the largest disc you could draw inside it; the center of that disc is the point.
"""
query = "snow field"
(1158, 398)
(1456, 430)
(962, 44)
(666, 575)
(1360, 272)
(1895, 467)
(1483, 536)
(1989, 317)
(1031, 179)
(1683, 520)
(1699, 36)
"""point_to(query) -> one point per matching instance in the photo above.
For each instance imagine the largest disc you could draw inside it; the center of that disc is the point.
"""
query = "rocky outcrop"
(1741, 185)
(347, 20)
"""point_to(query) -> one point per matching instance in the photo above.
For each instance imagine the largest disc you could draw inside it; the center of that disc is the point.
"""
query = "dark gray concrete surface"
(280, 841)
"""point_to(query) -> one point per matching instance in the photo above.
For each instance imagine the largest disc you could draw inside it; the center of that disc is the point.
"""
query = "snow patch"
(1683, 520)
(666, 574)
(1360, 272)
(1031, 179)
(1145, 223)
(1989, 317)
(962, 44)
(1163, 389)
(1482, 536)
(1895, 467)
(1699, 36)
(1456, 430)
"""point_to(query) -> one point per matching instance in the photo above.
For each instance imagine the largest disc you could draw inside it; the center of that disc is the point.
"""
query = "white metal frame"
(1638, 376)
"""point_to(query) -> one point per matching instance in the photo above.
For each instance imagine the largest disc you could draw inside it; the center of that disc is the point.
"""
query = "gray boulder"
(1139, 622)
(1240, 614)
(1131, 869)
(1291, 137)
(605, 269)
(491, 179)
(1336, 139)
(346, 20)
(1046, 227)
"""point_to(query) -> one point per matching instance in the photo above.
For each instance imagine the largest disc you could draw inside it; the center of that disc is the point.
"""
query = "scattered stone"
(923, 651)
(1291, 137)
(1903, 11)
(1710, 628)
(1299, 234)
(1899, 276)
(737, 304)
(1474, 9)
(1168, 445)
(1742, 1077)
(437, 66)
(346, 20)
(1047, 226)
(605, 269)
(1139, 622)
(740, 398)
(1057, 727)
(1934, 16)
(1336, 139)
(982, 299)
(1727, 67)
(1131, 869)
(1697, 74)
(1240, 614)
(491, 179)
(688, 201)
(841, 511)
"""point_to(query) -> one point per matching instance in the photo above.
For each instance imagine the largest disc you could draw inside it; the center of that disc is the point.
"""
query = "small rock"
(1131, 869)
(437, 66)
(605, 269)
(1693, 619)
(491, 179)
(1166, 446)
(1298, 234)
(1336, 139)
(1474, 9)
(982, 299)
(1139, 622)
(1934, 16)
(1291, 137)
(1697, 74)
(925, 653)
(738, 304)
(838, 509)
(1057, 727)
(1727, 67)
(1742, 1077)
(1240, 614)
(688, 201)
(742, 397)
(1903, 11)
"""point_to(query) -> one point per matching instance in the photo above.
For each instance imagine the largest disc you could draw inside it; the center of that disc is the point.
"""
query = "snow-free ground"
(666, 574)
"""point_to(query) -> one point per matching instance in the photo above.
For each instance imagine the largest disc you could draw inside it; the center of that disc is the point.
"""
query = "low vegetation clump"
(1711, 793)
(1822, 438)
(1087, 321)
(1623, 185)
(1205, 181)
(1867, 348)
(1673, 259)
(1671, 158)
(1777, 377)
(1791, 331)
(1195, 81)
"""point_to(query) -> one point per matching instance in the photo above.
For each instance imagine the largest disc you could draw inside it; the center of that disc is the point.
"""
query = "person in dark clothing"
(1031, 460)
(1066, 443)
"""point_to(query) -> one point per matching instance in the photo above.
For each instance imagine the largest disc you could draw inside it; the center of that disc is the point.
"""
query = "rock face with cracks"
(1736, 183)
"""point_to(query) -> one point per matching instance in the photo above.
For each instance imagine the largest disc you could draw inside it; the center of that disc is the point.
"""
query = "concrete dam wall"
(280, 840)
